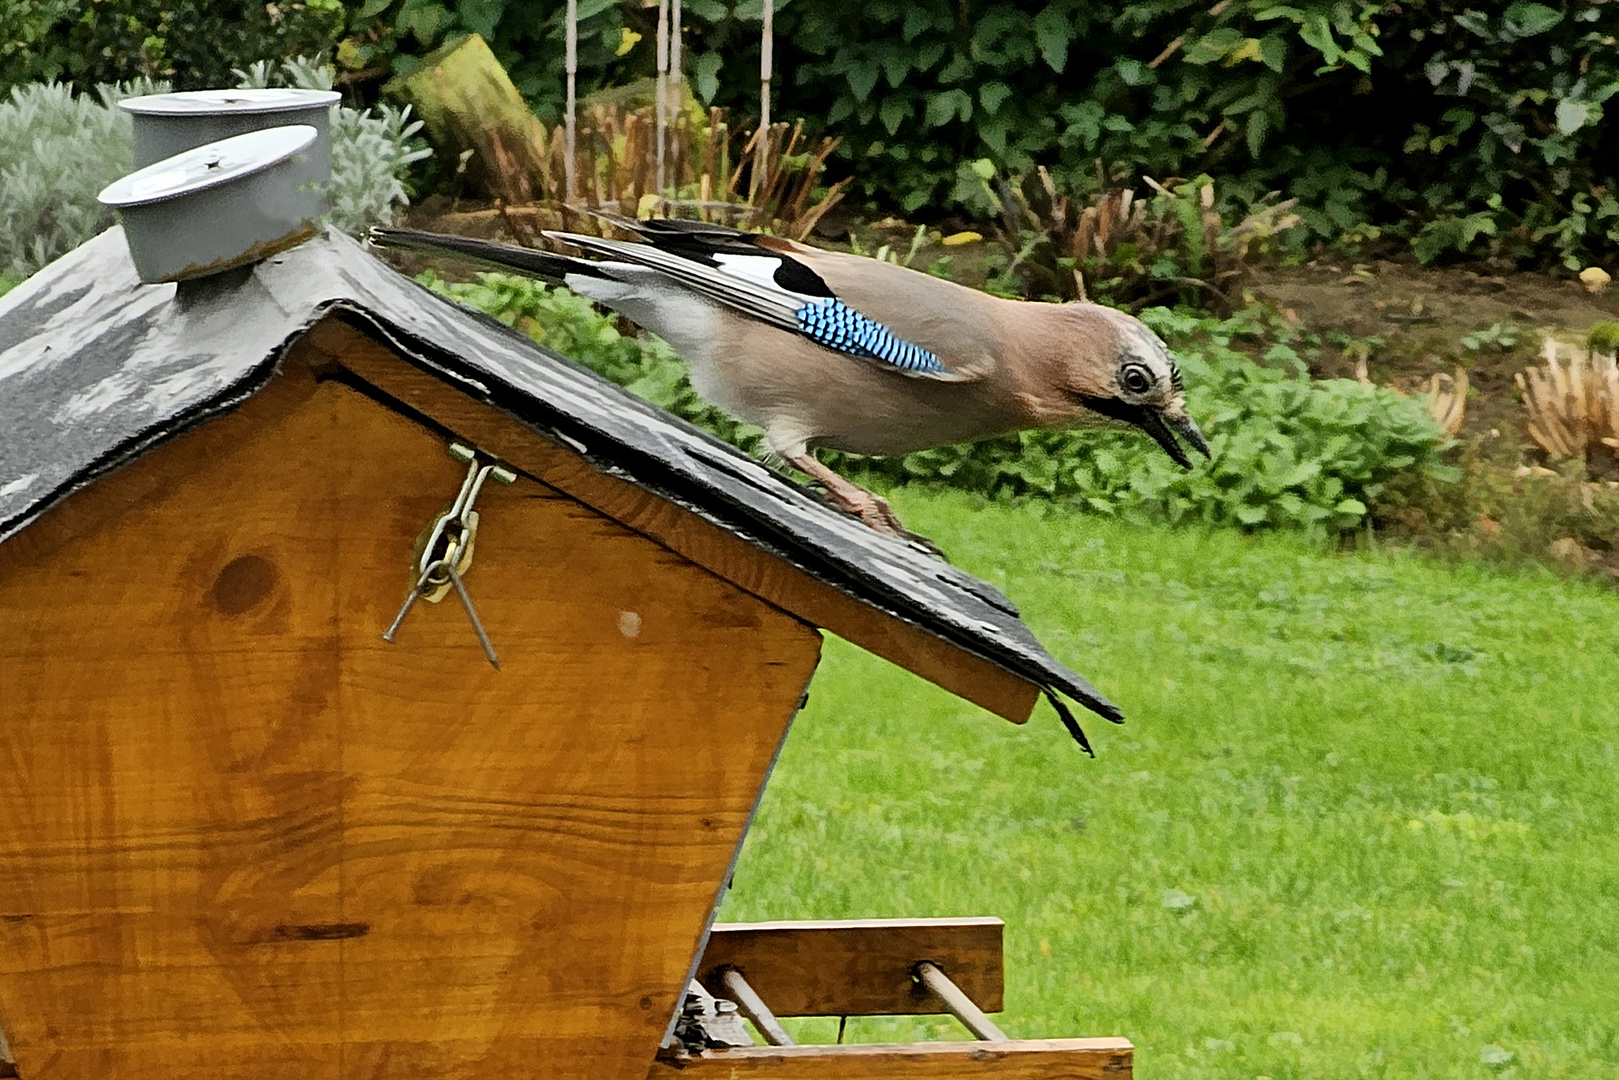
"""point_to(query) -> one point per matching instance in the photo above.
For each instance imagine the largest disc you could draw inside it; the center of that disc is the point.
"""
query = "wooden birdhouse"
(242, 834)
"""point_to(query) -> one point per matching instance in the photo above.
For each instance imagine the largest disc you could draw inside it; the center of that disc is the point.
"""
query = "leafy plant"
(1501, 338)
(1287, 451)
(192, 43)
(58, 150)
(372, 149)
(1170, 242)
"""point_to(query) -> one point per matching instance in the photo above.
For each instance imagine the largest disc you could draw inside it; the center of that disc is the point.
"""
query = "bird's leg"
(851, 498)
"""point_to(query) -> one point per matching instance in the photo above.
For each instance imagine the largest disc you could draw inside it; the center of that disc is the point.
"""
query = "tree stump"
(468, 102)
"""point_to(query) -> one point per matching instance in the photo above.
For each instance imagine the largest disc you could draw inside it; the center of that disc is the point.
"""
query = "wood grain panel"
(241, 836)
(857, 967)
(962, 673)
(1031, 1059)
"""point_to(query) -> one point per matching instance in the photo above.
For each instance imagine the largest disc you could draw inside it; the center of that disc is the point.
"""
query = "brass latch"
(443, 552)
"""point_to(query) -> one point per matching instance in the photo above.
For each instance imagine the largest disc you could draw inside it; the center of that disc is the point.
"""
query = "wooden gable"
(246, 837)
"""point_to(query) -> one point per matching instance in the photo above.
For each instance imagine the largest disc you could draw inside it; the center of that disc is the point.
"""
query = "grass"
(1363, 821)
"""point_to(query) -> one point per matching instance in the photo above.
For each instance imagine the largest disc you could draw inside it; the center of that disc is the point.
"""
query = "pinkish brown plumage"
(824, 349)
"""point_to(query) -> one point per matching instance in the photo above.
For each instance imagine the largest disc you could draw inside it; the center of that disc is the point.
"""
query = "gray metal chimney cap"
(208, 166)
(191, 102)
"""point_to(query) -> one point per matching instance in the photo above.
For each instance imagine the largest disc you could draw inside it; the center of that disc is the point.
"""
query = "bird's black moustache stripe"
(1114, 408)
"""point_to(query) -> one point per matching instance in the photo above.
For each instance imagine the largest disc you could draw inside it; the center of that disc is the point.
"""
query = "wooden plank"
(968, 676)
(857, 967)
(241, 836)
(1027, 1059)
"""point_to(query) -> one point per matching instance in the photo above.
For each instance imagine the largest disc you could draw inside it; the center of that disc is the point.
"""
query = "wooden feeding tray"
(242, 834)
(876, 967)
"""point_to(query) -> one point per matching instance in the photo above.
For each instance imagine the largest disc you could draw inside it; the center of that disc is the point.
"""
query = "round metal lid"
(208, 165)
(219, 102)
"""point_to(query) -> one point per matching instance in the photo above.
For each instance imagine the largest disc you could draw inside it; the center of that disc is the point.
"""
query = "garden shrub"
(193, 44)
(1287, 450)
(372, 149)
(1456, 127)
(58, 150)
(1464, 128)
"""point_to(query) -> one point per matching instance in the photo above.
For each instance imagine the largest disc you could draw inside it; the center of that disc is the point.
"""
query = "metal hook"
(447, 554)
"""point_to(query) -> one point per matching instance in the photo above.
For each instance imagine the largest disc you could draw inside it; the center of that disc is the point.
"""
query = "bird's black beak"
(1163, 427)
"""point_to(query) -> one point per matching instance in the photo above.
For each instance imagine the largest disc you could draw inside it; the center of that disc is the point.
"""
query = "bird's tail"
(539, 264)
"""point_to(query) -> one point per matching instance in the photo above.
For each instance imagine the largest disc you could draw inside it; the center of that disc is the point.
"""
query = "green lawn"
(1363, 820)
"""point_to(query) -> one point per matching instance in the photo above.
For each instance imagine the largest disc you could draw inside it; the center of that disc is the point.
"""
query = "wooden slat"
(242, 837)
(1028, 1059)
(729, 556)
(857, 967)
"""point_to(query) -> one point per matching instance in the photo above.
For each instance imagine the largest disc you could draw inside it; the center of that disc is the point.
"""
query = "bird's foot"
(872, 510)
(875, 512)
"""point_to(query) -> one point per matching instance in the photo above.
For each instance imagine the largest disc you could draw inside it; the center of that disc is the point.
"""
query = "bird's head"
(1130, 376)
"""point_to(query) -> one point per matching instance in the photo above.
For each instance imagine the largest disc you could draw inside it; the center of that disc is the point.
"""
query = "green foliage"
(1469, 130)
(372, 149)
(59, 149)
(1287, 451)
(1464, 129)
(192, 43)
(1496, 337)
(1603, 337)
(1358, 826)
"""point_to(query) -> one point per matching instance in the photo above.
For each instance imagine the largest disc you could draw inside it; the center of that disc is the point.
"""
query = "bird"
(827, 350)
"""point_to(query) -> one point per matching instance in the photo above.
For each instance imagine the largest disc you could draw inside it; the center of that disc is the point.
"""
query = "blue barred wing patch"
(838, 326)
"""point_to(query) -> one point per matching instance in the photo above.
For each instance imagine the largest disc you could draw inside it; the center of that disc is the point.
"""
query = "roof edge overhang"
(359, 343)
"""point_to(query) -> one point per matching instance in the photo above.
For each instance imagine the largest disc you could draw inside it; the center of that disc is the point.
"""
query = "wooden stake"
(662, 93)
(761, 141)
(677, 91)
(570, 170)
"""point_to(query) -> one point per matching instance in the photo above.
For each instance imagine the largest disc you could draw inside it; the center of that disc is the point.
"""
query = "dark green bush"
(189, 43)
(1457, 127)
(1288, 451)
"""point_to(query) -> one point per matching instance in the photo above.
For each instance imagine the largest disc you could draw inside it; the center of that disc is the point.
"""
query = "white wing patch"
(758, 269)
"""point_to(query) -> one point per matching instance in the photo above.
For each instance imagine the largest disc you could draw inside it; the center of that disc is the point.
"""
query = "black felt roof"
(96, 368)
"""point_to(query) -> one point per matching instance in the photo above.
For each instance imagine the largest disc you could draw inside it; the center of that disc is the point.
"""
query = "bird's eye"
(1137, 379)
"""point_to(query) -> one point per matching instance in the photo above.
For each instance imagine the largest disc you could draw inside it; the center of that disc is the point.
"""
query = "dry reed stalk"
(1447, 401)
(1573, 404)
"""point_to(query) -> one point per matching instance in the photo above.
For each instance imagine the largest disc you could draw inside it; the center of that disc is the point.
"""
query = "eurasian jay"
(823, 349)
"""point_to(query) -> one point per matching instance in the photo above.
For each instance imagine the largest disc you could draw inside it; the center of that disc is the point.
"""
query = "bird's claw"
(875, 512)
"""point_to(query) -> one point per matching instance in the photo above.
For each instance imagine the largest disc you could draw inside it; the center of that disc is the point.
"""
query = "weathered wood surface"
(722, 551)
(241, 836)
(857, 967)
(1025, 1059)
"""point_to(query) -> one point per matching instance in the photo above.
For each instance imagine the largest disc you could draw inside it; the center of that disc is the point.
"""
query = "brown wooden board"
(1029, 1059)
(727, 554)
(241, 836)
(857, 967)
